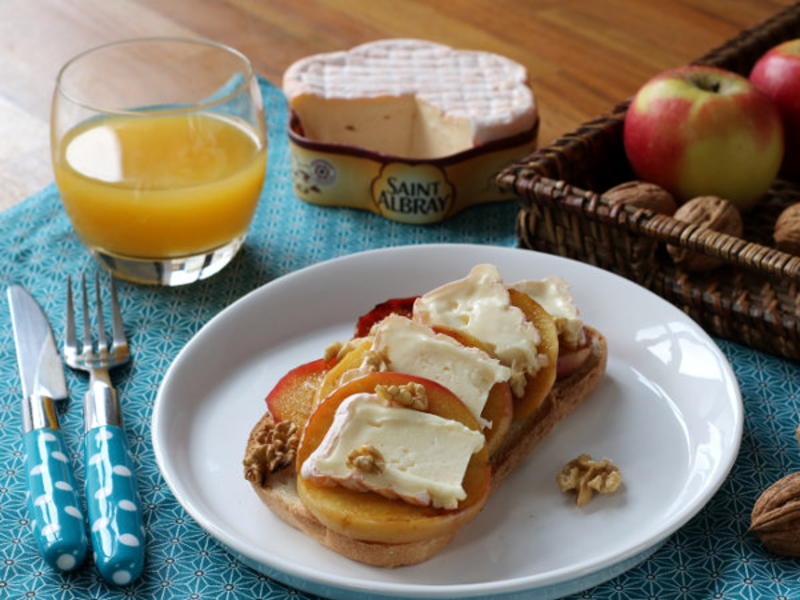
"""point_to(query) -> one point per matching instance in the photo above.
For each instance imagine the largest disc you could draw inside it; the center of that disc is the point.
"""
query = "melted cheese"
(554, 295)
(425, 456)
(415, 349)
(410, 98)
(479, 305)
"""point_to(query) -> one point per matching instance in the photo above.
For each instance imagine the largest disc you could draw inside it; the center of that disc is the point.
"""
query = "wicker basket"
(752, 299)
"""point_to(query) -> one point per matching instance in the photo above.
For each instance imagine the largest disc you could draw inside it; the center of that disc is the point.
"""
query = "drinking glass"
(159, 149)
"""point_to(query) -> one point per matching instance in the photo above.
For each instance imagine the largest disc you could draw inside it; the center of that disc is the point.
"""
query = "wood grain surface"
(583, 56)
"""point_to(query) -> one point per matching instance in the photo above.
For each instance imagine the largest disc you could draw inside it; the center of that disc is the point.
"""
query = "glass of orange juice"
(159, 149)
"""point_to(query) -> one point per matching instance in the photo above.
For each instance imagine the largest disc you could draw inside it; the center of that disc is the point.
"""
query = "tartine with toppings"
(387, 445)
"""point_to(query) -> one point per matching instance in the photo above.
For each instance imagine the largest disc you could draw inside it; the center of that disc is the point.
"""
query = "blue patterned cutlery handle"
(54, 504)
(115, 514)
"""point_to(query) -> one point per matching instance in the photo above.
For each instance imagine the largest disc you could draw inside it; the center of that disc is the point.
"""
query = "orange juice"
(160, 186)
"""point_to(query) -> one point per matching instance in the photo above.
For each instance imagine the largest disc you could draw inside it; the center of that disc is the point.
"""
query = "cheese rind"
(424, 456)
(410, 98)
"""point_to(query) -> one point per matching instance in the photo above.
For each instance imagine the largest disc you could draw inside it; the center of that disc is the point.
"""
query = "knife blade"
(55, 509)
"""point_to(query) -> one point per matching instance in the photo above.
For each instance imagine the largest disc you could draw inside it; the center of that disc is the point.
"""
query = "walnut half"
(275, 448)
(587, 476)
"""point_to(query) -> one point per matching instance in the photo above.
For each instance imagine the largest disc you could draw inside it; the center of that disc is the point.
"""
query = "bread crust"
(279, 491)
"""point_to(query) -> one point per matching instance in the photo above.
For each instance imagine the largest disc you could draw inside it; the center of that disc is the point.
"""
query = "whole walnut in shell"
(775, 519)
(707, 212)
(787, 230)
(643, 195)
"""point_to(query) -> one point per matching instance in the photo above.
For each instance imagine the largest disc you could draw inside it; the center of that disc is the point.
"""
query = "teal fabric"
(713, 556)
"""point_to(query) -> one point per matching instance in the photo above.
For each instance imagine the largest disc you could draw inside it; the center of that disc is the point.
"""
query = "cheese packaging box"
(409, 129)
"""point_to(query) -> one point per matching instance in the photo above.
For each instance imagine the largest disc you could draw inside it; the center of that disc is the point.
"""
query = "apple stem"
(709, 86)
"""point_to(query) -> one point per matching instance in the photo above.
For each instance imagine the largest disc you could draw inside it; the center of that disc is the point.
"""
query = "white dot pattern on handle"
(51, 529)
(63, 485)
(129, 539)
(37, 470)
(66, 562)
(60, 456)
(122, 470)
(103, 435)
(127, 505)
(49, 437)
(121, 577)
(73, 511)
(103, 492)
(43, 499)
(100, 523)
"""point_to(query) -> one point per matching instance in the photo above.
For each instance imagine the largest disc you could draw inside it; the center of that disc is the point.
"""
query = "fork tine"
(70, 341)
(102, 346)
(120, 341)
(87, 328)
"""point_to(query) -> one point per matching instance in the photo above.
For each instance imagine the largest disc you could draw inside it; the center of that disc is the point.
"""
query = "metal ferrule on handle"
(38, 412)
(101, 404)
(55, 508)
(112, 500)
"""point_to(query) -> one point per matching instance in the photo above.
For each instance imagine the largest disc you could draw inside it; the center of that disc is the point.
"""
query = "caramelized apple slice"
(292, 397)
(370, 517)
(333, 378)
(539, 385)
(572, 359)
(399, 306)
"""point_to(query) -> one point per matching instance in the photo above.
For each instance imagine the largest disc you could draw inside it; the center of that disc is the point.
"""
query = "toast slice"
(278, 489)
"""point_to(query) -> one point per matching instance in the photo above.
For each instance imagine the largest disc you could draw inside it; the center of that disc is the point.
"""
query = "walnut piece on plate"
(586, 476)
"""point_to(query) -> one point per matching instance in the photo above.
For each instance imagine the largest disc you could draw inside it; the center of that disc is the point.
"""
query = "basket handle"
(733, 250)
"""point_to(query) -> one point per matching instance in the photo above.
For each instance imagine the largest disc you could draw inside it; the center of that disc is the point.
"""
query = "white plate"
(669, 413)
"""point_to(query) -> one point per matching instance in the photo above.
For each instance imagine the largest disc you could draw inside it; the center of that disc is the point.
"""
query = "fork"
(115, 515)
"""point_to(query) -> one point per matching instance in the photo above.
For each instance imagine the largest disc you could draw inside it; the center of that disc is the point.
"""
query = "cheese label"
(413, 193)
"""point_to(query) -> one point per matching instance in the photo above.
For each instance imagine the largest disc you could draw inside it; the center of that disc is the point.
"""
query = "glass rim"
(216, 101)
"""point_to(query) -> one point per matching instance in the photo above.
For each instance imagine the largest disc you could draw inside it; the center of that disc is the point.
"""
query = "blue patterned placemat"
(711, 557)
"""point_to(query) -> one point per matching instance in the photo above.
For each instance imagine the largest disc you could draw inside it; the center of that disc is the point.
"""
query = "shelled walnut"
(787, 230)
(366, 459)
(411, 395)
(707, 212)
(587, 476)
(275, 449)
(643, 195)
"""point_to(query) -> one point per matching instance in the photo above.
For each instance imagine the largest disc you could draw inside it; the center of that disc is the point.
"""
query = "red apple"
(699, 130)
(778, 74)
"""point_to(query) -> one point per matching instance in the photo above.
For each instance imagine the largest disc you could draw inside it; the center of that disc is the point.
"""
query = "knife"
(55, 509)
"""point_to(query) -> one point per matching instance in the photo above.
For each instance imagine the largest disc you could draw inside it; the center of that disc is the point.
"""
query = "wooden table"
(583, 56)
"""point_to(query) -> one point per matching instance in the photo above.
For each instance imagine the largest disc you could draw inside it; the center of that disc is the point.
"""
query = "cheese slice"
(416, 349)
(410, 98)
(480, 306)
(554, 295)
(424, 456)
